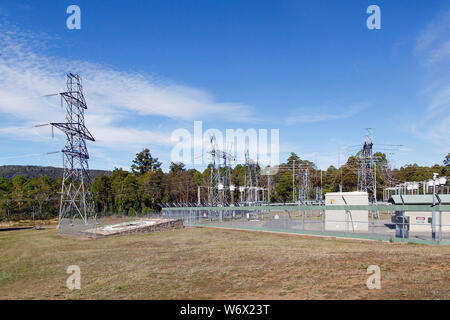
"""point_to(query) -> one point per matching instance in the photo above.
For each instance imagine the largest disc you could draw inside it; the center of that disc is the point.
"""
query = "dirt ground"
(203, 263)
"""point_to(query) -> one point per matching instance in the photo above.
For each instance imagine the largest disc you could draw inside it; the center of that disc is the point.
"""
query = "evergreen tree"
(144, 162)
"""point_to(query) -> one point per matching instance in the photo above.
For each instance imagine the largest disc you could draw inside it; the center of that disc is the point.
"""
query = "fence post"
(303, 220)
(371, 220)
(323, 220)
(433, 225)
(433, 214)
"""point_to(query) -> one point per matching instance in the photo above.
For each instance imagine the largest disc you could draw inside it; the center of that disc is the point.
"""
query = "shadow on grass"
(15, 229)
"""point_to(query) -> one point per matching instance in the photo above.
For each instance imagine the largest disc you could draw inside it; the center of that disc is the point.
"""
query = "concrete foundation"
(138, 226)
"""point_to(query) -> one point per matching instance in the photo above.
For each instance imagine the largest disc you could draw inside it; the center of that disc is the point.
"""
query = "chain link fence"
(399, 223)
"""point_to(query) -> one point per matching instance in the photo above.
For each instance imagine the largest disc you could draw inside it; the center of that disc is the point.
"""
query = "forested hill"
(30, 172)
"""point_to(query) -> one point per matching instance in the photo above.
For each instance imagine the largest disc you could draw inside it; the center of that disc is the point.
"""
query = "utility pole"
(321, 179)
(232, 189)
(241, 190)
(306, 184)
(321, 187)
(433, 214)
(293, 180)
(340, 170)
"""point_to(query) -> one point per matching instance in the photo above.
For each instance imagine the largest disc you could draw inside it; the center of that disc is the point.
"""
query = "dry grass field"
(202, 263)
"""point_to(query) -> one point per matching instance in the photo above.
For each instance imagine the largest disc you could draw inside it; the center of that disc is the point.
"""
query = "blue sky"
(311, 69)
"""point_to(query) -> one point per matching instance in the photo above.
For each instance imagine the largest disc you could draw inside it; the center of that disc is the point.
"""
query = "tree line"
(146, 187)
(30, 172)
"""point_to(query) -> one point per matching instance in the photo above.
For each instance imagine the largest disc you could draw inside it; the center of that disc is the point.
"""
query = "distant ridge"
(30, 172)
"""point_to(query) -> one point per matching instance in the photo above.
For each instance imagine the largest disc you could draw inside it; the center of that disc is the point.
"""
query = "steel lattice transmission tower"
(304, 188)
(76, 194)
(251, 179)
(221, 178)
(214, 180)
(226, 176)
(367, 174)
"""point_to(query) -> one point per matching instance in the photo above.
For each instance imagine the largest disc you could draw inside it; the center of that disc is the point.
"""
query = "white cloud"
(439, 53)
(433, 50)
(432, 33)
(117, 100)
(307, 117)
(440, 102)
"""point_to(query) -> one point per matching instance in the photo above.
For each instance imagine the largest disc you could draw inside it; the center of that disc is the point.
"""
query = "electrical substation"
(418, 211)
(405, 213)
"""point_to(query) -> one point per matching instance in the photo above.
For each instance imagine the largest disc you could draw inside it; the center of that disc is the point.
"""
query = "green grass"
(205, 263)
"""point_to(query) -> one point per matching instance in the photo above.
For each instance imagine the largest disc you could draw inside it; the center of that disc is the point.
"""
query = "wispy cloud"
(439, 53)
(301, 116)
(432, 41)
(117, 100)
(433, 51)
